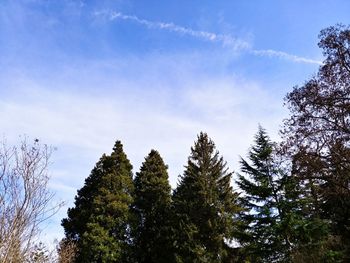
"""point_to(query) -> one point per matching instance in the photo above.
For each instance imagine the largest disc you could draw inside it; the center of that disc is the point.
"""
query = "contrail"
(226, 40)
(284, 55)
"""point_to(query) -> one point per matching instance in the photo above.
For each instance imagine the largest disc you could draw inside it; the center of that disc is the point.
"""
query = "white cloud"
(152, 101)
(86, 106)
(166, 115)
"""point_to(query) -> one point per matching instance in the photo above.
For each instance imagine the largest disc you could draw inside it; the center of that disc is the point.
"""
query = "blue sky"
(81, 74)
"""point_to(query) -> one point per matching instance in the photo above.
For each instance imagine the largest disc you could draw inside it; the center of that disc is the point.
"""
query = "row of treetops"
(292, 203)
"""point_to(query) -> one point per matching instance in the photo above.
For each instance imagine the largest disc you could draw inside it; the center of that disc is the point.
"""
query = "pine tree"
(268, 198)
(100, 221)
(205, 206)
(152, 206)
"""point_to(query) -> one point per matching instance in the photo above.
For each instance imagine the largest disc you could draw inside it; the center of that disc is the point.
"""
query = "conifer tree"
(269, 199)
(205, 206)
(100, 221)
(152, 206)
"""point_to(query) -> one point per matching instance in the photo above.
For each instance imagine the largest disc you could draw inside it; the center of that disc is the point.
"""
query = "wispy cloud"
(84, 123)
(88, 124)
(226, 40)
(284, 55)
(81, 104)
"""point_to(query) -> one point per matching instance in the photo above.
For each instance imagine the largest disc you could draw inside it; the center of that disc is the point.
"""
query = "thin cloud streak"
(226, 40)
(284, 55)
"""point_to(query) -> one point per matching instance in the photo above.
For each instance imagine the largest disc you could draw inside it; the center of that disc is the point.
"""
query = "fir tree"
(152, 205)
(268, 196)
(100, 221)
(205, 206)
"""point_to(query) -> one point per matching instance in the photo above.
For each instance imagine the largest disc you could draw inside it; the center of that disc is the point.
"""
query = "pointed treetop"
(203, 148)
(203, 139)
(118, 146)
(119, 153)
(262, 148)
(153, 164)
(153, 154)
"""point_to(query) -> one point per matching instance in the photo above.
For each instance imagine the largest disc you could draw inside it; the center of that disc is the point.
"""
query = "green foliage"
(153, 236)
(100, 220)
(262, 221)
(205, 206)
(294, 205)
(276, 219)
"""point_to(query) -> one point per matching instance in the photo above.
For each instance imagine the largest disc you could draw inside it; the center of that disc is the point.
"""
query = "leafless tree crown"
(25, 199)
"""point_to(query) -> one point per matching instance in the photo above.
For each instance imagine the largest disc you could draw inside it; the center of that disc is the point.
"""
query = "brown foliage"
(67, 251)
(317, 135)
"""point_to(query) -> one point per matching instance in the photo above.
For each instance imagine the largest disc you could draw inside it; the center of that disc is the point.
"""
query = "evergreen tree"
(270, 203)
(152, 206)
(205, 206)
(100, 221)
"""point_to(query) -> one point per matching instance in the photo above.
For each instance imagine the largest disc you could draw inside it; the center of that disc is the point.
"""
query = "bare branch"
(25, 200)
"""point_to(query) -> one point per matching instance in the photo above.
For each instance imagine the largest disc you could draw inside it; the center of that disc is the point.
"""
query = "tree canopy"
(292, 202)
(317, 135)
(205, 205)
(100, 220)
(153, 235)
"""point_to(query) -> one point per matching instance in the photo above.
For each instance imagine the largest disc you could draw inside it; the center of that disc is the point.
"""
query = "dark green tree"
(317, 137)
(205, 206)
(100, 221)
(153, 236)
(262, 198)
(276, 218)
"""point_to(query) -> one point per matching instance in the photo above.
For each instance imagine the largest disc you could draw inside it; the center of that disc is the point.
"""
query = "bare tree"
(25, 199)
(66, 251)
(317, 138)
